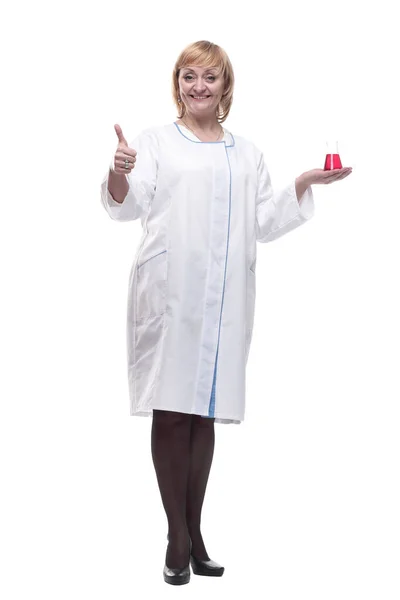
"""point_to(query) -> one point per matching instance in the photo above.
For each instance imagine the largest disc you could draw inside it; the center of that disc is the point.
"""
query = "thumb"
(120, 135)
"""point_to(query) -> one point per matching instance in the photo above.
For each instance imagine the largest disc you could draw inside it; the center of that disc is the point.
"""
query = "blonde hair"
(205, 54)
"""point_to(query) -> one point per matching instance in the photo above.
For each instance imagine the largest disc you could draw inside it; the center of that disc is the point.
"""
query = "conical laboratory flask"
(332, 158)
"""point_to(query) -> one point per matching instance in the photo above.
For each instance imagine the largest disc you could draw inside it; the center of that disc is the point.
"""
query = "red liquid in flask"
(332, 161)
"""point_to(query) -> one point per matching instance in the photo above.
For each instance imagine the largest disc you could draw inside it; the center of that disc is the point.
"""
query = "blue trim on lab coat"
(211, 409)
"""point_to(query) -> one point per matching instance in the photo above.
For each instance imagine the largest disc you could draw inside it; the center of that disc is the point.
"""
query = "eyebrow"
(210, 69)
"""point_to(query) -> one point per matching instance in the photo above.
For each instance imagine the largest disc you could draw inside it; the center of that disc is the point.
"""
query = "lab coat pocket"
(151, 290)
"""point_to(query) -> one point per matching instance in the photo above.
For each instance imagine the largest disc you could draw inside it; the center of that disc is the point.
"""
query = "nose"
(199, 90)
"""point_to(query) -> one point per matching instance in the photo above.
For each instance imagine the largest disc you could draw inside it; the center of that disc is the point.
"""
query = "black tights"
(182, 447)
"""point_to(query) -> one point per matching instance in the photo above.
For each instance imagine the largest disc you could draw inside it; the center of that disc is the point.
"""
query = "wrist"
(306, 179)
(301, 184)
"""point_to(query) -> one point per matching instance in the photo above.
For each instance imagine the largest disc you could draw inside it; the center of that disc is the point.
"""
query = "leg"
(170, 444)
(201, 455)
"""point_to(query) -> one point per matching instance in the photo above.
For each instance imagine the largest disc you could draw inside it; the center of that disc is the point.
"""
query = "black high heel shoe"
(208, 568)
(177, 576)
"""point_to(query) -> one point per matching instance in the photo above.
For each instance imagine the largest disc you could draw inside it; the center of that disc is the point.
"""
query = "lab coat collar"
(228, 138)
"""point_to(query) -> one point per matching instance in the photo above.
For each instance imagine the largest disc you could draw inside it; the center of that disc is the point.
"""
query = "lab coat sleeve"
(279, 212)
(142, 181)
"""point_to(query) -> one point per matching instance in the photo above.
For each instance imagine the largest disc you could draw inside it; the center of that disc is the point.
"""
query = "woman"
(204, 198)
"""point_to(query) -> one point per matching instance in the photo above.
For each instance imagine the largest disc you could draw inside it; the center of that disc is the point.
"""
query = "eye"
(209, 77)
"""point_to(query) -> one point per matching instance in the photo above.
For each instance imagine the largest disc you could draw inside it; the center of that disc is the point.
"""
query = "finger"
(126, 152)
(122, 171)
(346, 171)
(340, 176)
(120, 168)
(331, 179)
(120, 162)
(330, 173)
(120, 135)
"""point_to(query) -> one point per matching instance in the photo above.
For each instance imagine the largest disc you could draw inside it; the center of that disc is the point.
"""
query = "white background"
(303, 496)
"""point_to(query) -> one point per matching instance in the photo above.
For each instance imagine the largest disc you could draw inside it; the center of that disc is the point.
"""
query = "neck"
(205, 123)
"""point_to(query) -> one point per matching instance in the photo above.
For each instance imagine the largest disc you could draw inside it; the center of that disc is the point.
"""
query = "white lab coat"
(192, 286)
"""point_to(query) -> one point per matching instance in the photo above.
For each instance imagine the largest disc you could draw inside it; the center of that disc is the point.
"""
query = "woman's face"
(201, 81)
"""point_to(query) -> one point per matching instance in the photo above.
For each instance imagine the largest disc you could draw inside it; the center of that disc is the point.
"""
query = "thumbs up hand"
(123, 154)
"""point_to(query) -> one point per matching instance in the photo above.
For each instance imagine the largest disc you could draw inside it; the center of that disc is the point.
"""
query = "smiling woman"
(204, 197)
(202, 88)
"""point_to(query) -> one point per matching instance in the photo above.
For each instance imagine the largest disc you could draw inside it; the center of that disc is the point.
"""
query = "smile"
(199, 97)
